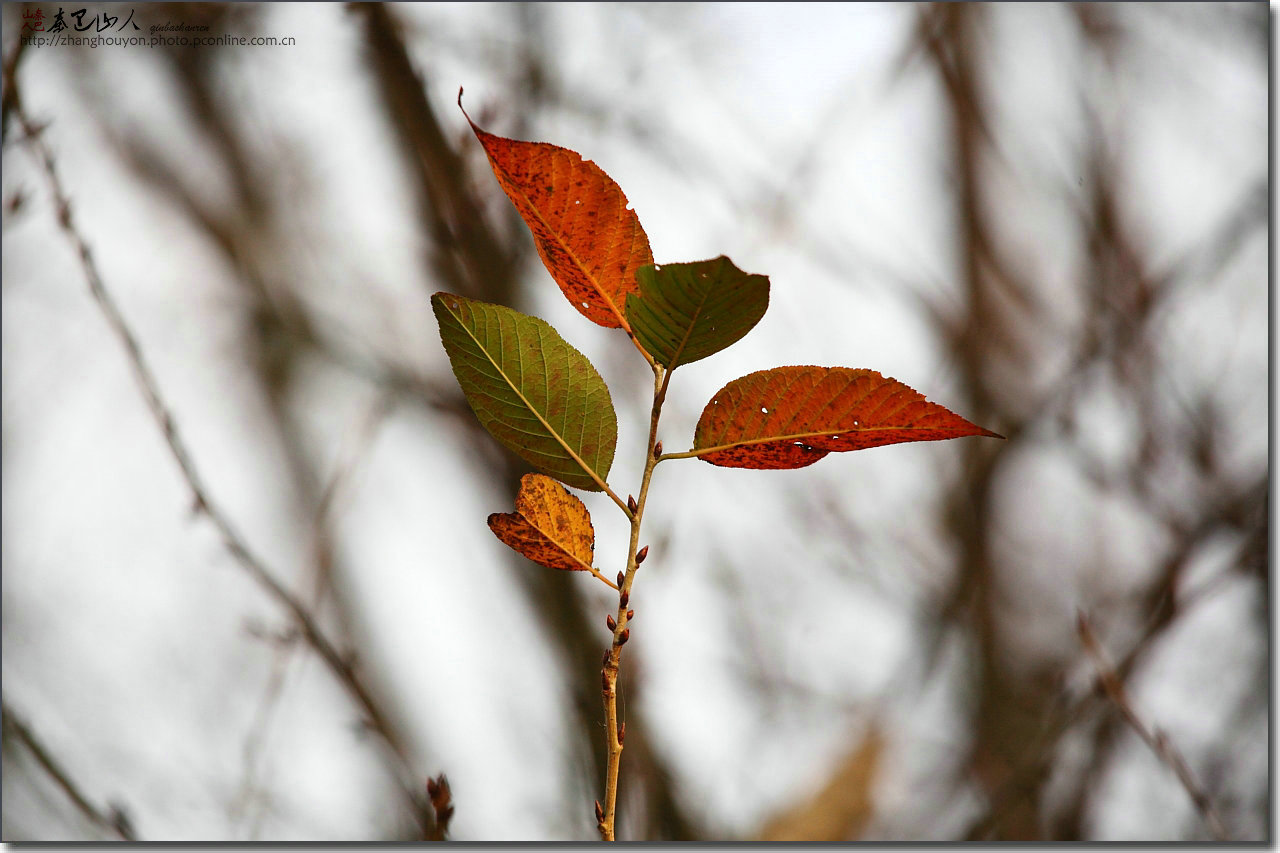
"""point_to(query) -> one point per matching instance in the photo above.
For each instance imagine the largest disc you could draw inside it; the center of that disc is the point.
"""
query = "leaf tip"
(444, 299)
(465, 114)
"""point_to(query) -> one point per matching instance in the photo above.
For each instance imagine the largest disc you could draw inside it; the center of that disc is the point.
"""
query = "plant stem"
(609, 679)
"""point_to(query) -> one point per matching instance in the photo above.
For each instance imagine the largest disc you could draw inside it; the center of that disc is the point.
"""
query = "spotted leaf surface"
(585, 232)
(790, 417)
(550, 525)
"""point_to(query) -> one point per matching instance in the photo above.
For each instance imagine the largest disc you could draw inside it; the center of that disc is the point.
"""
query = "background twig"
(340, 667)
(1154, 738)
(115, 821)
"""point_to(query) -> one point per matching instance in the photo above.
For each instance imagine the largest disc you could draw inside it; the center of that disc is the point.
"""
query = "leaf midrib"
(599, 481)
(675, 357)
(545, 535)
(702, 451)
(567, 249)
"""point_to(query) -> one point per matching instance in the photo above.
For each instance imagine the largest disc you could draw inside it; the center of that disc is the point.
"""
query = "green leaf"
(686, 312)
(530, 389)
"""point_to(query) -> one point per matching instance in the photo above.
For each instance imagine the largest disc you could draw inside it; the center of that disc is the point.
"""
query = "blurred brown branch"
(338, 665)
(116, 821)
(283, 656)
(1159, 742)
(843, 806)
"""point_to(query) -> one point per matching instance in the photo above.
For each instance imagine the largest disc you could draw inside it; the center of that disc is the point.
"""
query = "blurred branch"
(255, 742)
(1154, 738)
(469, 257)
(843, 806)
(9, 100)
(1065, 715)
(116, 821)
(339, 666)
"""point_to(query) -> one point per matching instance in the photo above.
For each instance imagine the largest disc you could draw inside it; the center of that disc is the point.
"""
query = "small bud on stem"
(599, 812)
(657, 450)
(622, 732)
(641, 554)
(631, 504)
(623, 599)
(631, 614)
(611, 622)
(623, 637)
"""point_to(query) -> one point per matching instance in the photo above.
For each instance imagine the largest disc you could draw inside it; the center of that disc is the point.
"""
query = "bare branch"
(116, 821)
(285, 647)
(376, 719)
(1159, 742)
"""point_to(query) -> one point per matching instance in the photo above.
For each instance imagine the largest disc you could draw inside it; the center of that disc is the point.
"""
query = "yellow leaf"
(550, 526)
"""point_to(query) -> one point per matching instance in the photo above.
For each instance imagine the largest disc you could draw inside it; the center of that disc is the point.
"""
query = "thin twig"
(1065, 715)
(1154, 738)
(377, 720)
(116, 821)
(284, 655)
(621, 633)
(9, 99)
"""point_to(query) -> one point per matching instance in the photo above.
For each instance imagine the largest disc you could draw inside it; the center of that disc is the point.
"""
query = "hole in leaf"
(764, 410)
(455, 305)
(577, 201)
(584, 305)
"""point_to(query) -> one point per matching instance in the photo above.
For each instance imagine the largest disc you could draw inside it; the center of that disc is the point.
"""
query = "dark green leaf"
(530, 389)
(686, 312)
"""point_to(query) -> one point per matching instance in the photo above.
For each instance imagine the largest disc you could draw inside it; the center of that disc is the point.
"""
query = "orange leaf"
(585, 231)
(550, 526)
(790, 417)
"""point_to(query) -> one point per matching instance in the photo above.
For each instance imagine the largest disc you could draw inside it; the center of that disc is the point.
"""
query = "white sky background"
(125, 636)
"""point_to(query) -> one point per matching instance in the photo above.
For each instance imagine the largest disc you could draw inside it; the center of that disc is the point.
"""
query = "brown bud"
(631, 614)
(624, 598)
(641, 554)
(631, 503)
(621, 578)
(599, 812)
(439, 794)
(623, 637)
(657, 449)
(611, 622)
(622, 732)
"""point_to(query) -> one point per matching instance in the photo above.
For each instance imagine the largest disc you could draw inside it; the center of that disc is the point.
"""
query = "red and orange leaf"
(550, 526)
(586, 233)
(790, 417)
